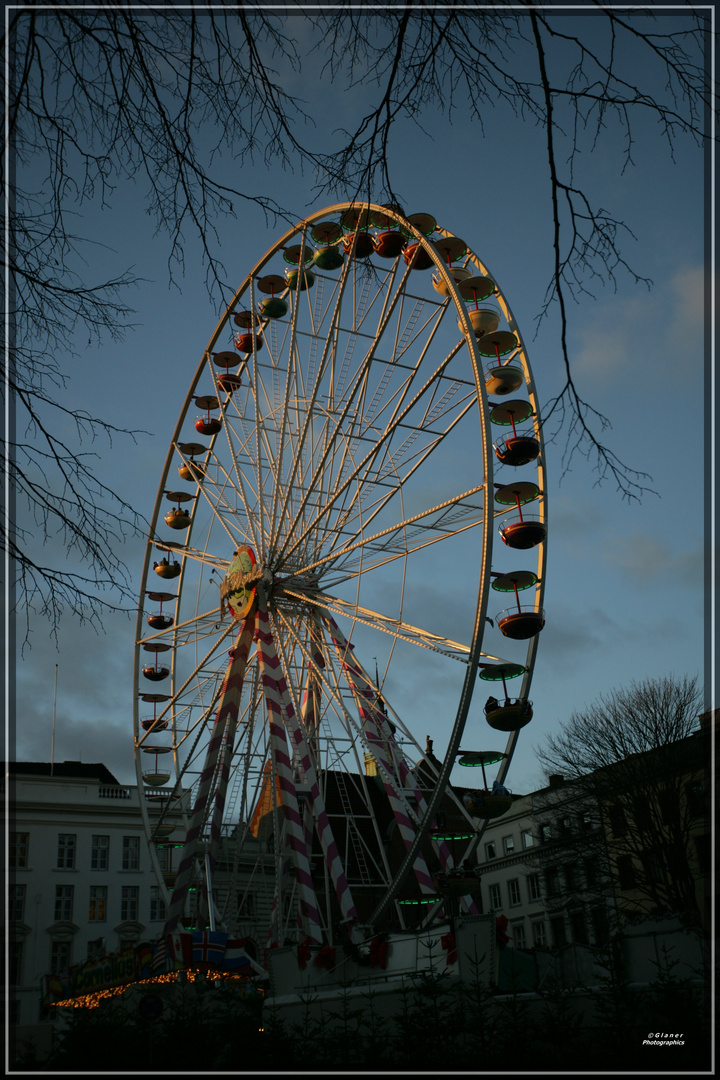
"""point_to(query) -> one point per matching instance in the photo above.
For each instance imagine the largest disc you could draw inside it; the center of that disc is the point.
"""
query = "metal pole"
(211, 899)
(52, 744)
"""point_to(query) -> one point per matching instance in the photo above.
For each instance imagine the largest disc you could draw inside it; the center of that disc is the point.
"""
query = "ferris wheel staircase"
(355, 842)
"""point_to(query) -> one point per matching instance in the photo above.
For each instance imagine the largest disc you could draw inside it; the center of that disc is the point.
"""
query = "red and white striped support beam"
(225, 720)
(317, 806)
(275, 690)
(365, 696)
(407, 779)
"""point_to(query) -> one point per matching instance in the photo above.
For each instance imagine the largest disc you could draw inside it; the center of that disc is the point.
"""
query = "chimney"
(555, 780)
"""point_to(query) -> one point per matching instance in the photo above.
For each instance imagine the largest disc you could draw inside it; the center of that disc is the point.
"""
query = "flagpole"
(52, 744)
(211, 901)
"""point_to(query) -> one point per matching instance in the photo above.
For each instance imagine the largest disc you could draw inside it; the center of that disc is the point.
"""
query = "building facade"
(81, 882)
(541, 866)
(629, 842)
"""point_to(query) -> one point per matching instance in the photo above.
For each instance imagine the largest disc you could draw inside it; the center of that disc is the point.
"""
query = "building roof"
(77, 770)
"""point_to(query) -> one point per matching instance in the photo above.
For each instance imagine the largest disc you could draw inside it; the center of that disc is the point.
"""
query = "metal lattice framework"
(350, 446)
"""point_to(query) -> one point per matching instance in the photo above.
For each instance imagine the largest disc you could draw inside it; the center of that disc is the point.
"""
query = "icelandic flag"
(236, 959)
(208, 947)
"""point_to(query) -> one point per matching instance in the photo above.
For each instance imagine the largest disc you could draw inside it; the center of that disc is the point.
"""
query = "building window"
(96, 948)
(557, 926)
(527, 838)
(668, 803)
(100, 853)
(63, 903)
(652, 866)
(246, 905)
(642, 814)
(514, 892)
(579, 927)
(618, 821)
(591, 872)
(508, 844)
(66, 851)
(538, 929)
(15, 963)
(495, 899)
(599, 920)
(695, 799)
(702, 852)
(157, 904)
(626, 871)
(490, 852)
(164, 852)
(131, 853)
(98, 903)
(585, 821)
(19, 844)
(570, 877)
(129, 903)
(59, 957)
(546, 833)
(518, 934)
(565, 826)
(17, 903)
(533, 884)
(552, 881)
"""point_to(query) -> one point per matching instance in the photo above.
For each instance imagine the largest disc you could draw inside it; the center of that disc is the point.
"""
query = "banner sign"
(97, 974)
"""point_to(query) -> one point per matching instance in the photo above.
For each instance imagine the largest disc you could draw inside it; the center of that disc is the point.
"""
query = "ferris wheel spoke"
(452, 517)
(224, 507)
(373, 453)
(381, 444)
(291, 379)
(327, 357)
(395, 627)
(355, 388)
(349, 441)
(362, 496)
(220, 504)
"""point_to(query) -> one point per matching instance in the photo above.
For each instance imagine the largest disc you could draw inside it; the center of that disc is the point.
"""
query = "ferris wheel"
(323, 579)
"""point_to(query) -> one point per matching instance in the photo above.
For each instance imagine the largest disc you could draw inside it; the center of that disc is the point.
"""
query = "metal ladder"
(353, 832)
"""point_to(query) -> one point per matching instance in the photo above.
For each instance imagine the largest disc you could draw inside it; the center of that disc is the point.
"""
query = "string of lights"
(185, 975)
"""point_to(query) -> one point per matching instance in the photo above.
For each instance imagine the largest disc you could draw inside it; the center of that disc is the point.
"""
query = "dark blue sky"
(624, 589)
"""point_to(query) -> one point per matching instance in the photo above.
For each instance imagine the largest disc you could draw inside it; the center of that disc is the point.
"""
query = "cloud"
(646, 559)
(647, 332)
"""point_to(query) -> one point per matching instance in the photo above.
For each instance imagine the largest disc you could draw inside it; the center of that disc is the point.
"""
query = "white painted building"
(81, 881)
(538, 866)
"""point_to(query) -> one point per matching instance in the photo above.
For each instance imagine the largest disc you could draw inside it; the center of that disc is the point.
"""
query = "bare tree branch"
(632, 754)
(101, 95)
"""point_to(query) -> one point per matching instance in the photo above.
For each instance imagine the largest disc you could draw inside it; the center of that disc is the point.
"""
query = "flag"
(236, 959)
(179, 948)
(160, 962)
(208, 947)
(55, 987)
(143, 959)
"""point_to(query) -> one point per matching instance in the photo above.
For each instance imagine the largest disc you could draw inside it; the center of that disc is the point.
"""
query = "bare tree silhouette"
(638, 756)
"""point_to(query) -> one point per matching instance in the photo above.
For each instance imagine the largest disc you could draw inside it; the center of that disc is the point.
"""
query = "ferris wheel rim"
(460, 308)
